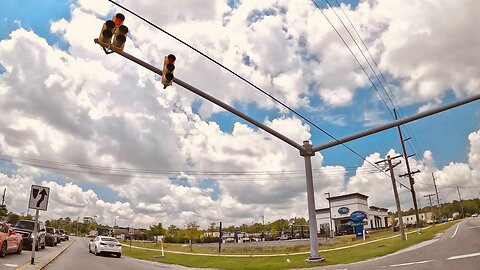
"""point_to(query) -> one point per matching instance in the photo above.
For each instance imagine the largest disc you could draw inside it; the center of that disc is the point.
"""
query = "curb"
(43, 262)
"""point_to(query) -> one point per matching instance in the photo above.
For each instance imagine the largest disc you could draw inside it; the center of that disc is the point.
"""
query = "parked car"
(25, 229)
(475, 215)
(450, 219)
(63, 236)
(11, 241)
(51, 237)
(105, 244)
(59, 236)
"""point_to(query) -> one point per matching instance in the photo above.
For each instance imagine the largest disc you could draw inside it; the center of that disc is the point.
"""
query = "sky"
(110, 142)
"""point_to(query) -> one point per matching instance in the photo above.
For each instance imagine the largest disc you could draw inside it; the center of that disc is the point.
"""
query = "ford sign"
(343, 210)
(358, 216)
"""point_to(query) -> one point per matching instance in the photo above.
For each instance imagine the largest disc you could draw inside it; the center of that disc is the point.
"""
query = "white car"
(105, 244)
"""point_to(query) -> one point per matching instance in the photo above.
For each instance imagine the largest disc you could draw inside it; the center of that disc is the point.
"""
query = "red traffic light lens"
(171, 58)
(119, 18)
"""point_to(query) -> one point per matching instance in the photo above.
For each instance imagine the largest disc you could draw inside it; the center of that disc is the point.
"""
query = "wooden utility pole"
(409, 172)
(395, 192)
(461, 202)
(438, 200)
(429, 196)
(3, 197)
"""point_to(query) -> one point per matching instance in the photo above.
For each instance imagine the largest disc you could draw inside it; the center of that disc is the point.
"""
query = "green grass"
(353, 254)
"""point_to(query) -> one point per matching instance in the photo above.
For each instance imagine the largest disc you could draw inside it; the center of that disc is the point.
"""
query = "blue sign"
(343, 210)
(358, 230)
(358, 216)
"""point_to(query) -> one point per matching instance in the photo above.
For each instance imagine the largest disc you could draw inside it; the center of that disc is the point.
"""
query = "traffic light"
(120, 31)
(120, 37)
(114, 28)
(168, 68)
(106, 34)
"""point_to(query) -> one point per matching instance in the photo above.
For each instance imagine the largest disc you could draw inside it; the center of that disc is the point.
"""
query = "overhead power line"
(205, 176)
(243, 79)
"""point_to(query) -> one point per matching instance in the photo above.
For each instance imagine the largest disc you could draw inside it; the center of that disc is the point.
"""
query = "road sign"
(39, 198)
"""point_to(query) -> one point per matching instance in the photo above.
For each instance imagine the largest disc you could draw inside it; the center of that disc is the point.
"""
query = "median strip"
(267, 255)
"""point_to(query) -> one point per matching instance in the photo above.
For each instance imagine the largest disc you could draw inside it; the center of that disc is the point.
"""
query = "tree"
(155, 230)
(213, 227)
(3, 211)
(12, 218)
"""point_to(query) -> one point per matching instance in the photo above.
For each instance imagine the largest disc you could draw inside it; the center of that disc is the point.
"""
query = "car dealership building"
(341, 207)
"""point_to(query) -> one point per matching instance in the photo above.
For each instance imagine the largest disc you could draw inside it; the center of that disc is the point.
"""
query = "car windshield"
(22, 224)
(108, 239)
(49, 230)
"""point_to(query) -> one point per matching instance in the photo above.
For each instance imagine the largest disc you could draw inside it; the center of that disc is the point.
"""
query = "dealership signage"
(358, 216)
(343, 210)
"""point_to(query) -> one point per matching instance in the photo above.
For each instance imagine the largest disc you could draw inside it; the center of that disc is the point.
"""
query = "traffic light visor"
(171, 58)
(106, 36)
(122, 30)
(119, 18)
(169, 77)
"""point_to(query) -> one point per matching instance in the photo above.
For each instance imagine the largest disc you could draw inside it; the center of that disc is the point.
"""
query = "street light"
(330, 213)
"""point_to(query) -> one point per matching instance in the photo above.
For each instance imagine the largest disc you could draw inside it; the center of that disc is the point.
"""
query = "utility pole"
(395, 192)
(263, 227)
(409, 172)
(3, 197)
(220, 239)
(429, 196)
(330, 231)
(438, 200)
(461, 202)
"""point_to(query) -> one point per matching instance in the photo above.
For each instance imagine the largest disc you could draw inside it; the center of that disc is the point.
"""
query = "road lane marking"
(455, 233)
(410, 263)
(10, 265)
(464, 256)
(474, 227)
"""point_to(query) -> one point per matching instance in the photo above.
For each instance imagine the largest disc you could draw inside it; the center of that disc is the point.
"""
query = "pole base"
(315, 260)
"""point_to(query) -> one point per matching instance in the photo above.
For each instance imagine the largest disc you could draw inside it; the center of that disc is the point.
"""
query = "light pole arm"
(213, 99)
(396, 123)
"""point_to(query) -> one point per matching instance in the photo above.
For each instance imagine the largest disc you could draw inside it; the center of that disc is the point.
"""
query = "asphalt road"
(12, 261)
(457, 248)
(77, 257)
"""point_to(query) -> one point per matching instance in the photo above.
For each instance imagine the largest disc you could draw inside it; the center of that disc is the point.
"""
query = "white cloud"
(85, 107)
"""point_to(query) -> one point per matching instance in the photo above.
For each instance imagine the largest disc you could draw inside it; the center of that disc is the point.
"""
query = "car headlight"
(32, 236)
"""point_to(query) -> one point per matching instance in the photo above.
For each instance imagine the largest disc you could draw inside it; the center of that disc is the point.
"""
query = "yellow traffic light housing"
(113, 28)
(105, 38)
(168, 68)
(120, 37)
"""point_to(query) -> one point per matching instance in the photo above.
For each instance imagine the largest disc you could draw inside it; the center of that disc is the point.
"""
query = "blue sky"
(331, 91)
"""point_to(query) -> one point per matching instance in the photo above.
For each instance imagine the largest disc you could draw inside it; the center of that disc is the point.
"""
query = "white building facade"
(412, 219)
(341, 207)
